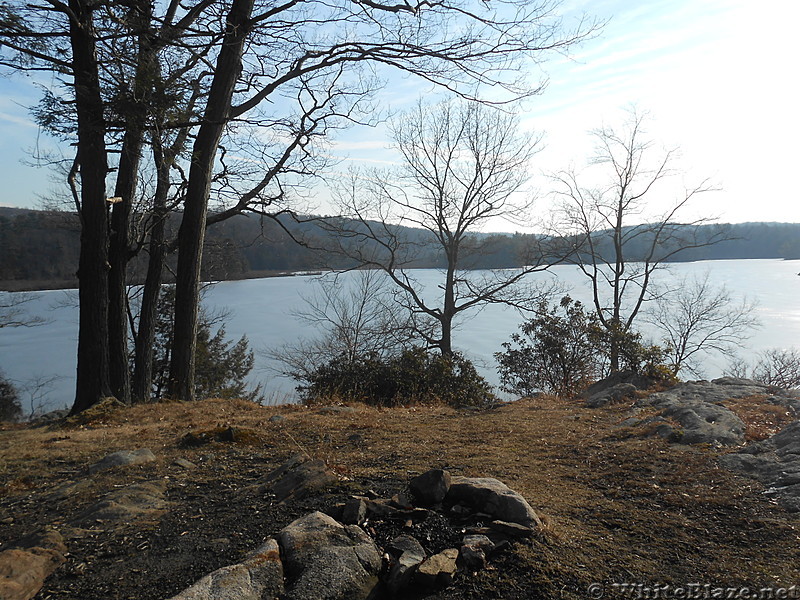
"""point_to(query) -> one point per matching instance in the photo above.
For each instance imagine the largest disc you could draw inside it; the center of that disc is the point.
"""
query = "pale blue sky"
(719, 77)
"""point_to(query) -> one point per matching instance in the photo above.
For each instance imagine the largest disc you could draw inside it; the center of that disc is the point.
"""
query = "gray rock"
(354, 511)
(492, 497)
(639, 381)
(123, 458)
(696, 406)
(277, 418)
(297, 478)
(616, 393)
(775, 463)
(437, 571)
(258, 577)
(407, 554)
(133, 502)
(24, 567)
(704, 423)
(431, 487)
(325, 560)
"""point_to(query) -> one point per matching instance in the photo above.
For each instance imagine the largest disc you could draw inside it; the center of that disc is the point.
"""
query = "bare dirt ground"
(619, 509)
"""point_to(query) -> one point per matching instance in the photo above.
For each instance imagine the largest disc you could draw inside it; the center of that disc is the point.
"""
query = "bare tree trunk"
(192, 230)
(146, 333)
(119, 255)
(93, 352)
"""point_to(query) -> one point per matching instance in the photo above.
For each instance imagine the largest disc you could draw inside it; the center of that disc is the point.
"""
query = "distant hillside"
(40, 248)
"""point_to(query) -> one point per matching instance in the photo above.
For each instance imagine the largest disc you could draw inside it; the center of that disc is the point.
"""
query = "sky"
(719, 79)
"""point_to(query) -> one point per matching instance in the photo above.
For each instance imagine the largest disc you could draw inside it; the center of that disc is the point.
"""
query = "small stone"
(354, 511)
(186, 464)
(276, 418)
(408, 553)
(437, 571)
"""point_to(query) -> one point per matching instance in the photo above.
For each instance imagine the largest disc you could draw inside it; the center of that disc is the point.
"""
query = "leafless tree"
(463, 165)
(333, 47)
(13, 311)
(618, 243)
(779, 367)
(697, 319)
(353, 315)
(35, 389)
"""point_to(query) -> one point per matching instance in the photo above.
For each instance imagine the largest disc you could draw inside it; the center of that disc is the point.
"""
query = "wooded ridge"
(40, 248)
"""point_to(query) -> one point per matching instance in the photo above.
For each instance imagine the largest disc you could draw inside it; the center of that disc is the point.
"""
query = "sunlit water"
(263, 310)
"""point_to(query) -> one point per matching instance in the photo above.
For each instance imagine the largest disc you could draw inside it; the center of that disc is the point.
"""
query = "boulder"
(133, 502)
(325, 560)
(492, 497)
(437, 571)
(258, 577)
(611, 395)
(431, 487)
(640, 382)
(123, 458)
(24, 568)
(406, 555)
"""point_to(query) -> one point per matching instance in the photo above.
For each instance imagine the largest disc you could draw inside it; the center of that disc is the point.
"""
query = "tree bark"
(119, 255)
(93, 350)
(145, 335)
(192, 230)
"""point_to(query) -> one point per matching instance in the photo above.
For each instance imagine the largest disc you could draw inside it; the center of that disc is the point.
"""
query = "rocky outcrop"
(775, 462)
(297, 478)
(694, 413)
(258, 577)
(325, 560)
(24, 568)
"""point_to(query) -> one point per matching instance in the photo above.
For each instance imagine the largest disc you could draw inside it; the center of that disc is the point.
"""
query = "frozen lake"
(262, 309)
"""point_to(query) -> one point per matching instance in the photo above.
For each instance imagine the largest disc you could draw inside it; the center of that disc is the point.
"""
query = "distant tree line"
(40, 248)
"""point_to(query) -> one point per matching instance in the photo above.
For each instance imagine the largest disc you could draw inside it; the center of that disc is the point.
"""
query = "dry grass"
(618, 508)
(761, 418)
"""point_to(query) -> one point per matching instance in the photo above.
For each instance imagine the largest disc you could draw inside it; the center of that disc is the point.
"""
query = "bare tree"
(13, 311)
(463, 165)
(35, 390)
(326, 49)
(353, 315)
(779, 367)
(697, 319)
(617, 243)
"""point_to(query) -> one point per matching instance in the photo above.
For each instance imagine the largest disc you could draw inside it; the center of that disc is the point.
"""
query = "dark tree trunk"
(145, 336)
(130, 158)
(192, 230)
(119, 255)
(93, 351)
